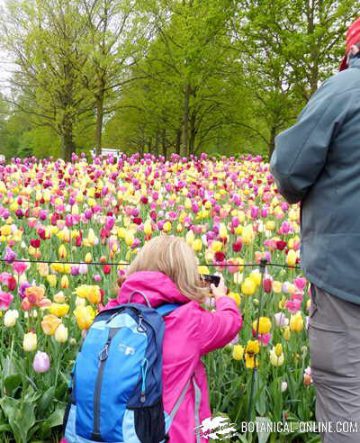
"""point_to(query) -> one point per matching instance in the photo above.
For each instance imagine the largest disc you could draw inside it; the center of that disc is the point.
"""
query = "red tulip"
(35, 243)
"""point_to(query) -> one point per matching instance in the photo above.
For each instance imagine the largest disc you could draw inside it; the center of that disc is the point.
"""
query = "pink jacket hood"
(158, 287)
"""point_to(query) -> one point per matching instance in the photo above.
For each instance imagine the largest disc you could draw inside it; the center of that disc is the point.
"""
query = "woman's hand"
(221, 290)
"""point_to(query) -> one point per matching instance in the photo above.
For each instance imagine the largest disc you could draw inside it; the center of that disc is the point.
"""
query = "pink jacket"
(190, 333)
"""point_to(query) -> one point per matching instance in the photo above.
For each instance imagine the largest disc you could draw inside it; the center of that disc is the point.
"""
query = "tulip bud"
(238, 352)
(267, 284)
(59, 297)
(88, 258)
(284, 386)
(41, 362)
(62, 251)
(147, 228)
(291, 258)
(61, 334)
(30, 342)
(52, 280)
(10, 318)
(64, 282)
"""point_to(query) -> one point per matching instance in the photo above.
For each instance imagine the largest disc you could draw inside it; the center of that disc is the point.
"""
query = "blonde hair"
(174, 257)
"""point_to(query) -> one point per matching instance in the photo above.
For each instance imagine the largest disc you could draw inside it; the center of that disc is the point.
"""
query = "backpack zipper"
(103, 356)
(144, 368)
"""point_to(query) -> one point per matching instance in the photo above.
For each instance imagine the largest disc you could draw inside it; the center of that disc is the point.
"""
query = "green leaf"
(21, 417)
(11, 383)
(263, 426)
(5, 428)
(56, 418)
(45, 401)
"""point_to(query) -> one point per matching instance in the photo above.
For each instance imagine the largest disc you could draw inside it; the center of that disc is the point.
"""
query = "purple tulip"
(75, 270)
(41, 362)
(10, 255)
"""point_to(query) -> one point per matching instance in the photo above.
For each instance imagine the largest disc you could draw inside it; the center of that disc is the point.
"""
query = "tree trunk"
(157, 142)
(315, 47)
(192, 133)
(67, 139)
(178, 141)
(272, 141)
(99, 121)
(186, 119)
(164, 144)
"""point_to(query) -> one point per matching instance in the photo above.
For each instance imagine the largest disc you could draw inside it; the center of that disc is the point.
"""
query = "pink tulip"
(5, 300)
(293, 305)
(19, 267)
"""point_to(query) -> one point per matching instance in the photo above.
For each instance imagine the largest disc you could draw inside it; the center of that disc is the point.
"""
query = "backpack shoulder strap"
(166, 309)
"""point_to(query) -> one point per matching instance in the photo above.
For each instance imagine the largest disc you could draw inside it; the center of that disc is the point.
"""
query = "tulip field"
(67, 231)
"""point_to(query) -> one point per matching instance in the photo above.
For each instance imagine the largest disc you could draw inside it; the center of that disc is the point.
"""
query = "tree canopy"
(163, 76)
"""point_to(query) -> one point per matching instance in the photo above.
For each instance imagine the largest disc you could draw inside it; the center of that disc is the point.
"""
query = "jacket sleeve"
(217, 329)
(300, 152)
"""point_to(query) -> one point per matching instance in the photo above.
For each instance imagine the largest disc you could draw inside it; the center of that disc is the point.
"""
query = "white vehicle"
(108, 151)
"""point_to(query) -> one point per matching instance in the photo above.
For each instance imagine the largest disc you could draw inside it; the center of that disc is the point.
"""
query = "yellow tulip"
(59, 297)
(90, 292)
(167, 227)
(197, 245)
(238, 352)
(121, 232)
(52, 279)
(129, 238)
(264, 325)
(286, 333)
(49, 324)
(30, 342)
(276, 356)
(5, 230)
(62, 251)
(252, 347)
(147, 228)
(236, 297)
(64, 282)
(179, 228)
(248, 287)
(255, 276)
(270, 225)
(190, 237)
(43, 269)
(296, 322)
(216, 246)
(61, 334)
(59, 309)
(250, 361)
(248, 234)
(84, 316)
(203, 270)
(291, 258)
(278, 349)
(223, 231)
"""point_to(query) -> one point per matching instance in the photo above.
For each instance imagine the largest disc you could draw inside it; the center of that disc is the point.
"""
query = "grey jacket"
(317, 162)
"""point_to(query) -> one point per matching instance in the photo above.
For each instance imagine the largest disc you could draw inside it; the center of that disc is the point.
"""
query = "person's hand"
(219, 291)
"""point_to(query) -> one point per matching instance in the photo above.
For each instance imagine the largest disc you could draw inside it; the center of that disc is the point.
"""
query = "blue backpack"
(116, 386)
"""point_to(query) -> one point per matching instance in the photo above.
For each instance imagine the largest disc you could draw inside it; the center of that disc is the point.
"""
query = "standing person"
(317, 162)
